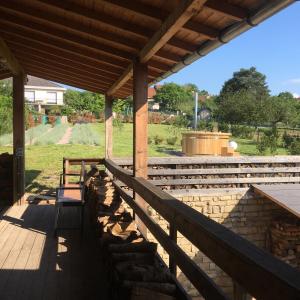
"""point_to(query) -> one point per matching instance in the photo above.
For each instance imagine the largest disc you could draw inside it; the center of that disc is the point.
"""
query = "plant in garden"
(158, 139)
(171, 140)
(117, 122)
(294, 148)
(84, 134)
(35, 132)
(53, 137)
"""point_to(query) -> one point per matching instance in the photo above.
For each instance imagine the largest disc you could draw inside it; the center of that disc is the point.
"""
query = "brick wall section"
(237, 209)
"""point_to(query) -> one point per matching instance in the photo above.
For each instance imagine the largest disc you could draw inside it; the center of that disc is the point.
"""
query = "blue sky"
(273, 48)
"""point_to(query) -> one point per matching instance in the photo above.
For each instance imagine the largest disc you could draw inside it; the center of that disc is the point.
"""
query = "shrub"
(242, 131)
(268, 141)
(158, 139)
(117, 122)
(224, 127)
(288, 139)
(53, 137)
(84, 134)
(149, 140)
(171, 140)
(181, 122)
(295, 147)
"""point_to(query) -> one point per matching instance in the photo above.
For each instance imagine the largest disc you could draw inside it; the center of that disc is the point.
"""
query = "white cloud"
(296, 95)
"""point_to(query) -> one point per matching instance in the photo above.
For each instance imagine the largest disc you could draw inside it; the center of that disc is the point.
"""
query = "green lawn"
(44, 162)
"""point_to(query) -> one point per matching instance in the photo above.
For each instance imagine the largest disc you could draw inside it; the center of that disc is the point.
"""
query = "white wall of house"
(44, 96)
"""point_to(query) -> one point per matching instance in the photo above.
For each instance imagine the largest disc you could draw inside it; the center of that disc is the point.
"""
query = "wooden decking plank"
(18, 272)
(29, 269)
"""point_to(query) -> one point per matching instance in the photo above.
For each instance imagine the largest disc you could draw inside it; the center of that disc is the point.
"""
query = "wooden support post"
(19, 137)
(140, 131)
(108, 127)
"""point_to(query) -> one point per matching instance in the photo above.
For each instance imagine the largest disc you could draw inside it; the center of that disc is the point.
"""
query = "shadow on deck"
(36, 265)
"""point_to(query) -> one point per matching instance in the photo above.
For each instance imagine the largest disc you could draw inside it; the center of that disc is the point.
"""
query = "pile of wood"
(285, 240)
(6, 179)
(135, 272)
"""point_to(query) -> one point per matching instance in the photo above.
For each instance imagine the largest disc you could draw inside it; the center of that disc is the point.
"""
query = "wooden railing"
(259, 273)
(256, 271)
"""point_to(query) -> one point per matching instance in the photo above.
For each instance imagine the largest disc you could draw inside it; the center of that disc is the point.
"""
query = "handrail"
(261, 274)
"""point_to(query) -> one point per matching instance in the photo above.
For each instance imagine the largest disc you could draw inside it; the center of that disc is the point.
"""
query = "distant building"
(151, 93)
(43, 94)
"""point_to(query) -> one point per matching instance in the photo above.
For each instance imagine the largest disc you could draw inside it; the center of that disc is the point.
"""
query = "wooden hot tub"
(206, 143)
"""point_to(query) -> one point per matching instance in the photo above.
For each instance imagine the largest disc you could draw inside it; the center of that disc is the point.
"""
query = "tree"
(246, 80)
(241, 108)
(83, 101)
(173, 97)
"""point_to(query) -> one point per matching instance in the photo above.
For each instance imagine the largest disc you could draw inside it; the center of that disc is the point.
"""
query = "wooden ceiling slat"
(58, 65)
(227, 9)
(136, 29)
(173, 23)
(33, 13)
(83, 11)
(70, 74)
(62, 80)
(51, 72)
(65, 36)
(61, 44)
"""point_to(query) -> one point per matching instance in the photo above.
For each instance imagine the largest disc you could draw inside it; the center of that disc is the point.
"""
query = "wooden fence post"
(140, 131)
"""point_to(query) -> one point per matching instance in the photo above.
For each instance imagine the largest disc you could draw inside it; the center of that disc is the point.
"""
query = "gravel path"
(66, 138)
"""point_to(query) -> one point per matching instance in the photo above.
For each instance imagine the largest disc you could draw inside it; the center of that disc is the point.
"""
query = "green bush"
(85, 135)
(158, 139)
(205, 125)
(181, 122)
(52, 137)
(117, 122)
(288, 139)
(224, 127)
(171, 140)
(149, 140)
(269, 140)
(242, 131)
(295, 147)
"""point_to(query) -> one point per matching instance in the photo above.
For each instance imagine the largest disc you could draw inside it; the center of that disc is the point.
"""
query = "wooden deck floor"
(36, 265)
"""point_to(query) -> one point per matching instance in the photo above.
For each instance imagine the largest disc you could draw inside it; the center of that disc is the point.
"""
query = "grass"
(44, 162)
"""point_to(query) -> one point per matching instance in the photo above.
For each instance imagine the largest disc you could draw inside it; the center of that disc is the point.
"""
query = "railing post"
(108, 127)
(173, 236)
(140, 131)
(66, 171)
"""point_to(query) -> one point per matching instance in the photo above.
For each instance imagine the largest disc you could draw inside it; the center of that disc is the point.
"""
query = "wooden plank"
(9, 59)
(287, 198)
(232, 253)
(19, 137)
(108, 127)
(199, 278)
(140, 130)
(251, 180)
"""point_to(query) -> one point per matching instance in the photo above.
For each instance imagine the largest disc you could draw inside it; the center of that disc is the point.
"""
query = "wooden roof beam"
(186, 10)
(9, 59)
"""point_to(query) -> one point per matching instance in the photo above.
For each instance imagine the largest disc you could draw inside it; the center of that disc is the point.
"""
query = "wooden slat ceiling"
(92, 44)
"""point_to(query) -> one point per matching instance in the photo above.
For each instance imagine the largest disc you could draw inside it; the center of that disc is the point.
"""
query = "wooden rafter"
(9, 59)
(185, 11)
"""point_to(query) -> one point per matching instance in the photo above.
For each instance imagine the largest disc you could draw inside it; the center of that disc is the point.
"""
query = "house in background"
(154, 106)
(43, 94)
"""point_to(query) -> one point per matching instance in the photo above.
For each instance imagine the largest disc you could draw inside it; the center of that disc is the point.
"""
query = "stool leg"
(82, 219)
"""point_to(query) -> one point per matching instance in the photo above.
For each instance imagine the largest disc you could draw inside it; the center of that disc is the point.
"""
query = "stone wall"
(237, 209)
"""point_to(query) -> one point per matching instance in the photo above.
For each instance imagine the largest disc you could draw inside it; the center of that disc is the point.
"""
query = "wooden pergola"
(113, 47)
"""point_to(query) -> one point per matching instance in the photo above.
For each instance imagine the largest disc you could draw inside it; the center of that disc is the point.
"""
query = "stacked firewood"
(135, 272)
(285, 240)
